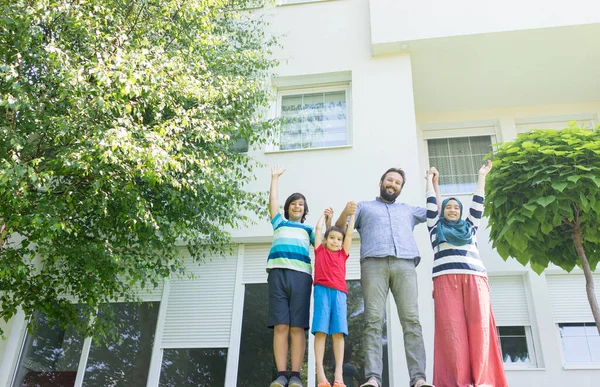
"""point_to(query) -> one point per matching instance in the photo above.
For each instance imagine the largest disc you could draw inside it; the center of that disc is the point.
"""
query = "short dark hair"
(397, 170)
(335, 228)
(289, 200)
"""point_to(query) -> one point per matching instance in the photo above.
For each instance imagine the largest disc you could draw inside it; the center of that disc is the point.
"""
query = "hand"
(277, 171)
(436, 175)
(485, 169)
(351, 208)
(328, 213)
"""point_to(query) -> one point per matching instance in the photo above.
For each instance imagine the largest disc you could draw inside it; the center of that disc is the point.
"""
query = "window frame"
(573, 365)
(533, 363)
(346, 87)
(493, 140)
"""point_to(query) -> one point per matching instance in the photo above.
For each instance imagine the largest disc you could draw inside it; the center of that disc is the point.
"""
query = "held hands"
(328, 213)
(432, 174)
(485, 169)
(350, 208)
(276, 171)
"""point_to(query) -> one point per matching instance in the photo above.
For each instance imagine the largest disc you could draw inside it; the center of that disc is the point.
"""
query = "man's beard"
(388, 197)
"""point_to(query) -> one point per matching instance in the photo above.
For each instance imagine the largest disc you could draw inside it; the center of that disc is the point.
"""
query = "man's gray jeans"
(377, 277)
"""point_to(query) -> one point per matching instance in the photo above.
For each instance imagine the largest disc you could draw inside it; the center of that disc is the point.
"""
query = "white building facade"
(369, 85)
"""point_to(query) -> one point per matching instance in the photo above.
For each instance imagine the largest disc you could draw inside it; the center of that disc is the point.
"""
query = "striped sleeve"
(432, 210)
(476, 210)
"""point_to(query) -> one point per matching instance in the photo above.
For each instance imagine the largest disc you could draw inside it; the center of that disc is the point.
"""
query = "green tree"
(543, 201)
(120, 126)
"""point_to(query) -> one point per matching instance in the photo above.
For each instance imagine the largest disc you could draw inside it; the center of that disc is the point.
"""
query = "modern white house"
(370, 84)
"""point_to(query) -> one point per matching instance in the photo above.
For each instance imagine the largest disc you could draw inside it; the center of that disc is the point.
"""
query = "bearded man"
(388, 261)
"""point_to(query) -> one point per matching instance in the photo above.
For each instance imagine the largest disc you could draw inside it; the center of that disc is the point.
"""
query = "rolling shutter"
(509, 301)
(569, 298)
(255, 263)
(199, 310)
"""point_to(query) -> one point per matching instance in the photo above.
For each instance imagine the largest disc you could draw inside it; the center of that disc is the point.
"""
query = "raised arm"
(274, 191)
(433, 198)
(328, 217)
(433, 178)
(349, 230)
(483, 172)
(476, 210)
(319, 229)
(350, 208)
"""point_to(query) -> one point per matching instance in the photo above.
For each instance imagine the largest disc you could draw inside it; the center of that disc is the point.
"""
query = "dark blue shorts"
(289, 298)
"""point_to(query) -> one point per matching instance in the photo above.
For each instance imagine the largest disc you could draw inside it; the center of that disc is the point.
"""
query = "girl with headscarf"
(466, 346)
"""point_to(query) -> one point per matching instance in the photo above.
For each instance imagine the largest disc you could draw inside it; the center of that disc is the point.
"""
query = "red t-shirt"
(330, 268)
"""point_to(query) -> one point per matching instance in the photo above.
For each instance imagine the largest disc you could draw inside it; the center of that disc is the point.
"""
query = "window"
(458, 160)
(126, 360)
(515, 342)
(511, 312)
(573, 316)
(50, 356)
(256, 365)
(193, 367)
(314, 118)
(353, 349)
(580, 342)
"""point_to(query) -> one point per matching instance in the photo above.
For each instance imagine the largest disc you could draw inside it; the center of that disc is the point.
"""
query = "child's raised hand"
(277, 171)
(485, 169)
(328, 213)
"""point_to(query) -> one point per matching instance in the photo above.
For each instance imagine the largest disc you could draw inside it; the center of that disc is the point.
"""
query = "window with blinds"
(458, 160)
(315, 118)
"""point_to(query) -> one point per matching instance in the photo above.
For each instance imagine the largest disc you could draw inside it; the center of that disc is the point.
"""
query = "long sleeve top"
(450, 259)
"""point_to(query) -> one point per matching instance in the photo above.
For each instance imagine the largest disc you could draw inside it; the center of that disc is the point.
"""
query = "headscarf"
(458, 232)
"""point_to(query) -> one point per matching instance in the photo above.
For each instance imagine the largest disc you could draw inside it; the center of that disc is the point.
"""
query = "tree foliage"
(118, 125)
(543, 201)
(541, 185)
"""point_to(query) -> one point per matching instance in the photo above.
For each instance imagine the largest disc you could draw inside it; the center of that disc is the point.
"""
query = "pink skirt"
(466, 347)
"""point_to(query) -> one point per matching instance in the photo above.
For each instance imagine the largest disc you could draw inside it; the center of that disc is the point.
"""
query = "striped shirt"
(450, 259)
(290, 245)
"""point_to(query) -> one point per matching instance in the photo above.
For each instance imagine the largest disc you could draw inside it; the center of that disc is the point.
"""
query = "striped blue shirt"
(290, 245)
(450, 259)
(386, 229)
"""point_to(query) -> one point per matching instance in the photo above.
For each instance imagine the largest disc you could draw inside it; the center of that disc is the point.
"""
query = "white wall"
(405, 20)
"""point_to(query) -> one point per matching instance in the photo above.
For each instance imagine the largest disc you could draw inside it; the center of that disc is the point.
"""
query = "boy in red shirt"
(330, 294)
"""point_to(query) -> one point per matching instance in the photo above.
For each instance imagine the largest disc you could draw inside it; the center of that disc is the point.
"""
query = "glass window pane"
(576, 349)
(591, 329)
(438, 148)
(481, 145)
(50, 356)
(514, 349)
(354, 355)
(193, 367)
(458, 160)
(595, 348)
(256, 363)
(125, 361)
(572, 330)
(314, 120)
(511, 331)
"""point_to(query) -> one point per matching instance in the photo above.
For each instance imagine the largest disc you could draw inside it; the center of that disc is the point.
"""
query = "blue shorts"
(289, 298)
(329, 311)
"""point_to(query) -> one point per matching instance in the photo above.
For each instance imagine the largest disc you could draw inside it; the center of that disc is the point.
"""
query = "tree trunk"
(587, 272)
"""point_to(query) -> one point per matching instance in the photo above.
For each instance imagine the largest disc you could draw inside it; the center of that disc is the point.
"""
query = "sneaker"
(279, 382)
(372, 382)
(295, 382)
